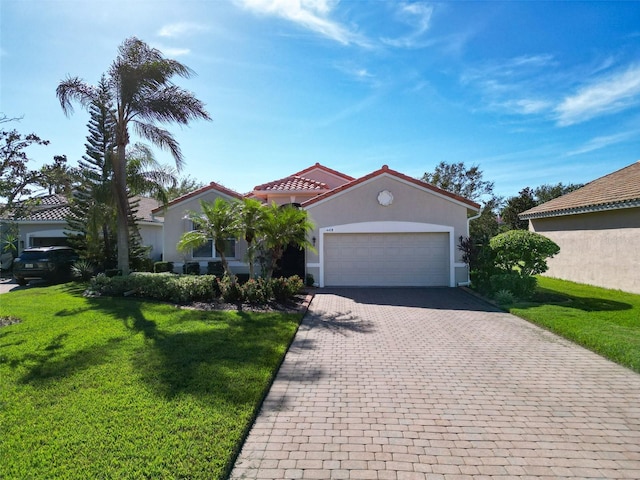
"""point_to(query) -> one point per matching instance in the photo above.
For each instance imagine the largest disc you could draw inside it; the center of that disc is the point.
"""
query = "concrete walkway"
(432, 384)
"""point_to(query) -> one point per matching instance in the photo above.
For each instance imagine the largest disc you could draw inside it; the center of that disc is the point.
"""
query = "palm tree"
(250, 215)
(217, 221)
(281, 227)
(140, 80)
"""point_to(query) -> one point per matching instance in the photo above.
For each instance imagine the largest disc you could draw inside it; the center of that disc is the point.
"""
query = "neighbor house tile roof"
(206, 188)
(318, 166)
(55, 208)
(620, 189)
(386, 170)
(290, 184)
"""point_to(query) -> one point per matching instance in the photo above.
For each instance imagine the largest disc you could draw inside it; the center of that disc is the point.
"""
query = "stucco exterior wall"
(28, 230)
(175, 225)
(331, 180)
(151, 234)
(410, 204)
(601, 249)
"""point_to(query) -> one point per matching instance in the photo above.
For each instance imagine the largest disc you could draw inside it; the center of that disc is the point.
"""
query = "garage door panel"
(386, 259)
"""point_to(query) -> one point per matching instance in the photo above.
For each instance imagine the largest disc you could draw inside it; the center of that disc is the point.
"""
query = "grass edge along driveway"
(602, 320)
(124, 388)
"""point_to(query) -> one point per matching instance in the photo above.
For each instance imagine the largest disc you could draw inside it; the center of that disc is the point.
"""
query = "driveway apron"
(432, 383)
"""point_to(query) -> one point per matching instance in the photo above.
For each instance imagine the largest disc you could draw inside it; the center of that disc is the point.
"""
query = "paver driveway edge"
(431, 383)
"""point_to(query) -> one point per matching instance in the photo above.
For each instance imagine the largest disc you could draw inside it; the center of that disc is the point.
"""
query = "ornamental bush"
(523, 250)
(195, 288)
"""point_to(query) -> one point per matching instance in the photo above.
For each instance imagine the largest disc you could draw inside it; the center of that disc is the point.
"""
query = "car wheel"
(21, 281)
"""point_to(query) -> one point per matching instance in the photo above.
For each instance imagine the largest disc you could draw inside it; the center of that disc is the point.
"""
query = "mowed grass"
(605, 321)
(123, 388)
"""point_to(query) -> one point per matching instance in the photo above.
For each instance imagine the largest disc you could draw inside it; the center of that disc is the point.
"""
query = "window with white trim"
(208, 251)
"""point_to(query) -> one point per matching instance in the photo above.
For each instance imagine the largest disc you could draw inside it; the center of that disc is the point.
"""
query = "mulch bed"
(299, 304)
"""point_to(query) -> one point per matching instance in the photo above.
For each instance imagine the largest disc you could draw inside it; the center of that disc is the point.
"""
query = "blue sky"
(532, 92)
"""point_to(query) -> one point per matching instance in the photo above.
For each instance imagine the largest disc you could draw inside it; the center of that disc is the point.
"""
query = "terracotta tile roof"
(619, 189)
(326, 169)
(387, 170)
(291, 183)
(206, 188)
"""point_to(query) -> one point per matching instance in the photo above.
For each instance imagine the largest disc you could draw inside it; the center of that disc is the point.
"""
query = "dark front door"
(291, 263)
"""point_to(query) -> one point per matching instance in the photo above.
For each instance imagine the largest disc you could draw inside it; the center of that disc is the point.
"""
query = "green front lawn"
(605, 321)
(124, 388)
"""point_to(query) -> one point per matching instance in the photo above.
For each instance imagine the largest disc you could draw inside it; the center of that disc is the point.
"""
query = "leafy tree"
(486, 225)
(218, 221)
(183, 186)
(547, 192)
(281, 227)
(15, 176)
(139, 80)
(515, 206)
(459, 179)
(58, 177)
(523, 250)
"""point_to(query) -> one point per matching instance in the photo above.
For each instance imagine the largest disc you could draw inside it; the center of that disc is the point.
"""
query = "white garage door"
(386, 259)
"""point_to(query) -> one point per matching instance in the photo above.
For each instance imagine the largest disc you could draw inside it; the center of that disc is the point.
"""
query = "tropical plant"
(282, 226)
(217, 222)
(140, 82)
(251, 214)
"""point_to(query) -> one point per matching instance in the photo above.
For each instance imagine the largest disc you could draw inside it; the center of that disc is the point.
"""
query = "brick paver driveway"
(431, 383)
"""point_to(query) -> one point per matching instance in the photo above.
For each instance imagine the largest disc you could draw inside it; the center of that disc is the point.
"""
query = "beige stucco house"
(383, 229)
(598, 230)
(45, 224)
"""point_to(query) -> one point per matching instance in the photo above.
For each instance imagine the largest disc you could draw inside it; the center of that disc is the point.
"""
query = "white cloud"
(313, 15)
(598, 143)
(527, 106)
(610, 94)
(180, 29)
(172, 51)
(418, 17)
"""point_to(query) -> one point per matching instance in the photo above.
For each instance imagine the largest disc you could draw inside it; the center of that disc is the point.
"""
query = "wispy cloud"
(607, 95)
(604, 141)
(349, 111)
(171, 51)
(418, 17)
(314, 15)
(180, 29)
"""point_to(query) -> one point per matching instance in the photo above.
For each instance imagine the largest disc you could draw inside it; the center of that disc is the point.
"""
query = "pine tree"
(93, 215)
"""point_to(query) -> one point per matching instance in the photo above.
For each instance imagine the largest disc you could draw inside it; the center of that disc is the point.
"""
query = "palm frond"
(75, 89)
(161, 138)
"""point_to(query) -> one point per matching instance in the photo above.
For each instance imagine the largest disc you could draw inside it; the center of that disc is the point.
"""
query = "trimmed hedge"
(195, 288)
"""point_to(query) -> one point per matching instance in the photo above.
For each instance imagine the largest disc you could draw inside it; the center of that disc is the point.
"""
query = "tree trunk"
(122, 200)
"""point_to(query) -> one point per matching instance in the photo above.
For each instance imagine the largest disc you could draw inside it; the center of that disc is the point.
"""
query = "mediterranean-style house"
(383, 229)
(44, 224)
(598, 230)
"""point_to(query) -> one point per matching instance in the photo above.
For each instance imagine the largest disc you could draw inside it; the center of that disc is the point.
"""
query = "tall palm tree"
(281, 227)
(140, 79)
(218, 221)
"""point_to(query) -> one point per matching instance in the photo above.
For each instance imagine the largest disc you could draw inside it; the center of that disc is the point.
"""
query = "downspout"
(468, 282)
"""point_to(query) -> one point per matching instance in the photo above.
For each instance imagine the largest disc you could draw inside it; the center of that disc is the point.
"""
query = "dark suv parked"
(48, 263)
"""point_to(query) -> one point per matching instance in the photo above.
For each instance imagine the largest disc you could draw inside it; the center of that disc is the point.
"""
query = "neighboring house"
(598, 230)
(383, 229)
(44, 224)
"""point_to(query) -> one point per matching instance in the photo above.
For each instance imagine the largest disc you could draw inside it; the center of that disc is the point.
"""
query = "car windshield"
(35, 255)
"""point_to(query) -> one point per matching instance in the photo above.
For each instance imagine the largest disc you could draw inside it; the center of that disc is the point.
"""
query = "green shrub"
(521, 286)
(309, 280)
(504, 297)
(286, 288)
(160, 267)
(523, 250)
(256, 291)
(230, 291)
(191, 268)
(215, 268)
